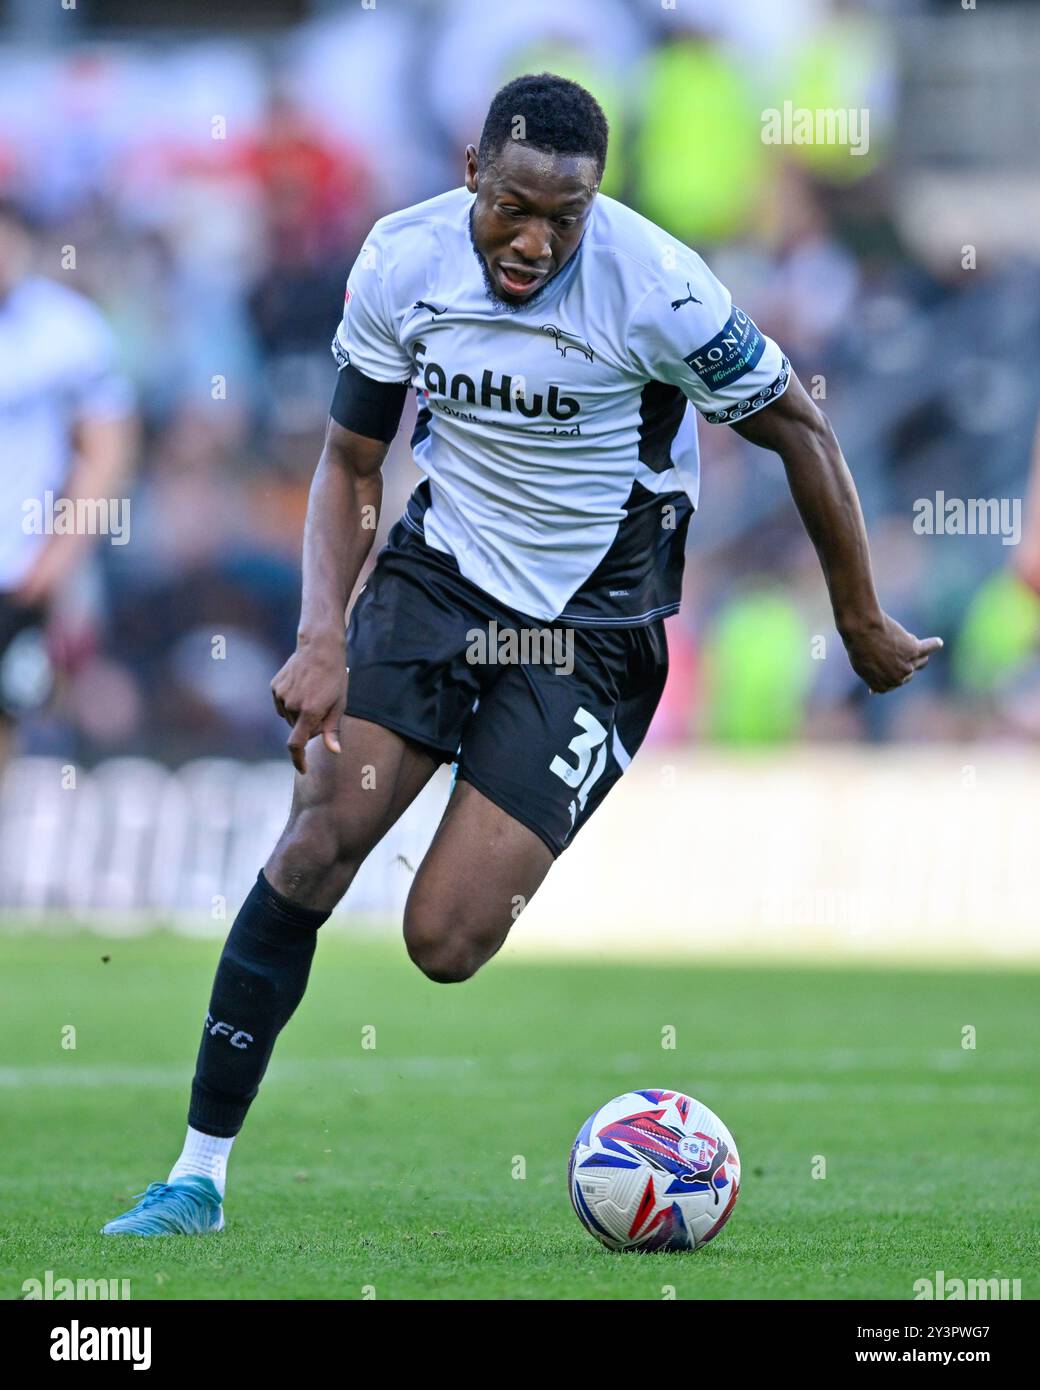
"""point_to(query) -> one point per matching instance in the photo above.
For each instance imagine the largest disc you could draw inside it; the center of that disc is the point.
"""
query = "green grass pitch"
(392, 1168)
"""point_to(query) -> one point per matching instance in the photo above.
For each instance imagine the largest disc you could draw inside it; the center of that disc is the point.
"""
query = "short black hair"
(558, 115)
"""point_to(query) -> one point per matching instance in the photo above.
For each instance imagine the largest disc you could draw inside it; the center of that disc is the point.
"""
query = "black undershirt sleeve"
(367, 407)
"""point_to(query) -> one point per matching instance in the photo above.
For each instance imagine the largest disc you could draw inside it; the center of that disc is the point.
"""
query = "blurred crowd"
(216, 192)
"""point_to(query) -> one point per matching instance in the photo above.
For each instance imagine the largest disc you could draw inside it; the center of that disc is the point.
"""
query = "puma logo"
(690, 298)
(422, 304)
(578, 344)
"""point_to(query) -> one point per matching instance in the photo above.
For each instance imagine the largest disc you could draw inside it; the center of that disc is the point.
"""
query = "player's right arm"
(310, 690)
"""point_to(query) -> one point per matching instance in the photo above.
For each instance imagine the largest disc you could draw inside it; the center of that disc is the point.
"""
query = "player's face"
(529, 215)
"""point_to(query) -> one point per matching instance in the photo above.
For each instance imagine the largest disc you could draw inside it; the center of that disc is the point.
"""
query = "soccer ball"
(654, 1170)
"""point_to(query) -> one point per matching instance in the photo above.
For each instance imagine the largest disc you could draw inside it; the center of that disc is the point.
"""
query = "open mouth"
(516, 281)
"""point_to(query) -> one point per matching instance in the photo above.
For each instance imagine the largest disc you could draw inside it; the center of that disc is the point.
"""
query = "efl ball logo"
(697, 1152)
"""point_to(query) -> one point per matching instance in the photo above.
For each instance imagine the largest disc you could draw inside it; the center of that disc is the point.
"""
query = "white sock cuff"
(203, 1155)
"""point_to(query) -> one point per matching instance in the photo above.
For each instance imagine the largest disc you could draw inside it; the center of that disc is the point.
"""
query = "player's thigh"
(343, 806)
(548, 743)
(482, 868)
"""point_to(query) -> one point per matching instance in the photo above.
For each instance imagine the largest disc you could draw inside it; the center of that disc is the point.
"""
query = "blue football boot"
(189, 1206)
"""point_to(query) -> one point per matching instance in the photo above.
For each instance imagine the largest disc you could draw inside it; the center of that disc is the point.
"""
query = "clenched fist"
(885, 655)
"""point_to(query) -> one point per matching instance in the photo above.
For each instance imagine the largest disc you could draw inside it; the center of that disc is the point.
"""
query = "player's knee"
(445, 956)
(443, 962)
(314, 858)
(317, 838)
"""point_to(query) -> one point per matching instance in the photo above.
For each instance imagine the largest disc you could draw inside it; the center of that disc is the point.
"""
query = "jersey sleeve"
(366, 337)
(688, 332)
(96, 388)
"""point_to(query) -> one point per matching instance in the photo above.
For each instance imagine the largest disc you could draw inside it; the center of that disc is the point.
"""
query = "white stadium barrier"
(130, 844)
(927, 854)
(901, 853)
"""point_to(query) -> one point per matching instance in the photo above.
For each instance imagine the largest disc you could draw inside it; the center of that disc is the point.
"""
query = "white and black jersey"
(57, 366)
(557, 438)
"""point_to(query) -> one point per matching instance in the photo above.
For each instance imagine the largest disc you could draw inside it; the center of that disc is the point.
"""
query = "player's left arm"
(881, 652)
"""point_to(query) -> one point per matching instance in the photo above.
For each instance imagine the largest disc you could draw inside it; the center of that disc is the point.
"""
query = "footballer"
(559, 344)
(67, 427)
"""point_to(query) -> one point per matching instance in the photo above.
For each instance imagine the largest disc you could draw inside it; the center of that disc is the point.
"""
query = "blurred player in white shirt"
(66, 432)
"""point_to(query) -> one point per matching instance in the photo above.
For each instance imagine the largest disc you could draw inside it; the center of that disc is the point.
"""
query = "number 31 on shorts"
(592, 738)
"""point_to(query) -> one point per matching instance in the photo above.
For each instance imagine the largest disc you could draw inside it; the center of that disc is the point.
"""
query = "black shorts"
(541, 718)
(24, 670)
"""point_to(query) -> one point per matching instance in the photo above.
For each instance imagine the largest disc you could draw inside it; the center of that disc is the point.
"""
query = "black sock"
(260, 980)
